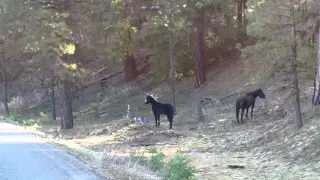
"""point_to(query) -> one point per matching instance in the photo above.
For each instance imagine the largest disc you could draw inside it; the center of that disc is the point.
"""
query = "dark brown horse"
(160, 108)
(247, 101)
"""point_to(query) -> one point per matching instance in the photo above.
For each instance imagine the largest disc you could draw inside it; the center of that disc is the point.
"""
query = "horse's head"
(149, 99)
(261, 94)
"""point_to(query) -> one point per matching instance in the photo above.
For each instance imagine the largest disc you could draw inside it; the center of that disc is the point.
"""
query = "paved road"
(23, 156)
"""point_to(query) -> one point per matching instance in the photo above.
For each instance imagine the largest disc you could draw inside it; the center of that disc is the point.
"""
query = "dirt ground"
(267, 145)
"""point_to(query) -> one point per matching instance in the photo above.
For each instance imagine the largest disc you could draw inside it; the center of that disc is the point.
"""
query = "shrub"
(15, 117)
(178, 168)
(32, 120)
(156, 161)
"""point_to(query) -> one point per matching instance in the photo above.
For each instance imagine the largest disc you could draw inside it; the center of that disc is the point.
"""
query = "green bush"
(178, 168)
(30, 120)
(156, 161)
(15, 117)
(12, 116)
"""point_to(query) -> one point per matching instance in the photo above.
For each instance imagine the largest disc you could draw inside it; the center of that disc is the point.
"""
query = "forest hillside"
(78, 72)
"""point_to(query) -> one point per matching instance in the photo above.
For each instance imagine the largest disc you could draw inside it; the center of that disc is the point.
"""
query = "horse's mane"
(254, 93)
(152, 97)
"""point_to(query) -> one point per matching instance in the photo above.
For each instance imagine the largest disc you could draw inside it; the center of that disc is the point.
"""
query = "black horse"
(159, 108)
(246, 101)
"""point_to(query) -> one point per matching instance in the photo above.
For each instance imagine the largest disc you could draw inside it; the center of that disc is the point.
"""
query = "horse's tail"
(237, 109)
(174, 110)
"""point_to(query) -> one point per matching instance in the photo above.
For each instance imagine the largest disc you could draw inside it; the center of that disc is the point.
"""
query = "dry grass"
(268, 146)
(112, 166)
(126, 168)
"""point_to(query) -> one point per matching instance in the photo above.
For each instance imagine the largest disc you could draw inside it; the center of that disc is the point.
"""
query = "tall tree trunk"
(129, 67)
(239, 14)
(316, 91)
(200, 63)
(245, 19)
(53, 104)
(129, 63)
(295, 73)
(4, 81)
(242, 20)
(171, 55)
(136, 17)
(66, 103)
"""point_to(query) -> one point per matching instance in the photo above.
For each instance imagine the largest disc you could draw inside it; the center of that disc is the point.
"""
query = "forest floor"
(267, 145)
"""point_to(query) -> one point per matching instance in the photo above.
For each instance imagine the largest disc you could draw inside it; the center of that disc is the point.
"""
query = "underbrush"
(32, 120)
(176, 168)
(155, 166)
(15, 117)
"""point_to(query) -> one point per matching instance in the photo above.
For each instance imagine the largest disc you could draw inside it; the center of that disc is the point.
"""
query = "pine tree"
(282, 49)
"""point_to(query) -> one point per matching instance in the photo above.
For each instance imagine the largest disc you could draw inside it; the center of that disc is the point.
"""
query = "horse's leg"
(170, 118)
(155, 117)
(247, 112)
(252, 110)
(242, 111)
(158, 120)
(237, 111)
(238, 119)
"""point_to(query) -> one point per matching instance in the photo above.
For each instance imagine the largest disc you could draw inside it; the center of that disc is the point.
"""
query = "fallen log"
(235, 167)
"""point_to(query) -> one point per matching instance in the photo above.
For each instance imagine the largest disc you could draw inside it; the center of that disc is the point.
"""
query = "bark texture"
(316, 92)
(200, 62)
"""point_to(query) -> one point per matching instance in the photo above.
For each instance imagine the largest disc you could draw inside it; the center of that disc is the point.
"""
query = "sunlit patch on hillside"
(70, 66)
(67, 48)
(222, 120)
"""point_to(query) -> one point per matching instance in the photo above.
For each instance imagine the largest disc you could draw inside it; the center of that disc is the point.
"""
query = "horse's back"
(164, 108)
(250, 99)
(169, 108)
(169, 111)
(244, 101)
(240, 100)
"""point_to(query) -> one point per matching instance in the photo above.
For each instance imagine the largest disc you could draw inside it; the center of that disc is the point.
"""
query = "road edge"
(92, 159)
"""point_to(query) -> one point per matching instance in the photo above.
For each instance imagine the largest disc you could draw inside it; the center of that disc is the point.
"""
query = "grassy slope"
(268, 145)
